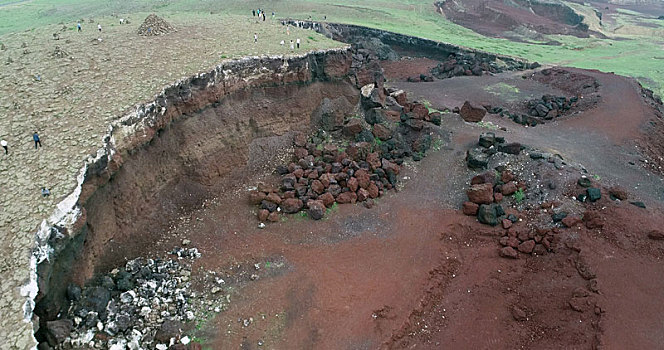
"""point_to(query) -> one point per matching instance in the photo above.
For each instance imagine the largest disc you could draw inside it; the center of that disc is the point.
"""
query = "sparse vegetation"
(519, 196)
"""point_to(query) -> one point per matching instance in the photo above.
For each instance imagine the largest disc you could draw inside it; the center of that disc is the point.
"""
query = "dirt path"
(603, 139)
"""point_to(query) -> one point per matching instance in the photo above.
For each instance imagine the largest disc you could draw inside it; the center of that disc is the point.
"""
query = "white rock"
(185, 340)
(145, 311)
(161, 347)
(261, 225)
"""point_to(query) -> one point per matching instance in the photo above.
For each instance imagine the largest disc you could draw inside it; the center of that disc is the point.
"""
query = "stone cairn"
(155, 25)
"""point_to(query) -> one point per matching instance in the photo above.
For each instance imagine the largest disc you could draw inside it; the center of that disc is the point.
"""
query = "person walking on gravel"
(78, 25)
(35, 137)
(298, 43)
(3, 143)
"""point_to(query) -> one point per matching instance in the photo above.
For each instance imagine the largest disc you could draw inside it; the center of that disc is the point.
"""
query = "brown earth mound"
(155, 25)
(495, 18)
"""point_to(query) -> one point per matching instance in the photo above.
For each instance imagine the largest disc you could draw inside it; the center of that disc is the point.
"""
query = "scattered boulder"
(316, 209)
(291, 205)
(594, 194)
(470, 208)
(472, 112)
(509, 252)
(353, 127)
(57, 331)
(476, 158)
(488, 214)
(481, 193)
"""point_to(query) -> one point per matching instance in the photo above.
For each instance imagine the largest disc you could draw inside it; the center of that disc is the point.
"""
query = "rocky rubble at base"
(144, 304)
(355, 164)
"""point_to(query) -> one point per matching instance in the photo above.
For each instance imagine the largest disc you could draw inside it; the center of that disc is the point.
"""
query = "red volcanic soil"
(415, 273)
(495, 17)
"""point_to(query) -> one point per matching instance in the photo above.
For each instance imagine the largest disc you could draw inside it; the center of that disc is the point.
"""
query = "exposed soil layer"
(495, 18)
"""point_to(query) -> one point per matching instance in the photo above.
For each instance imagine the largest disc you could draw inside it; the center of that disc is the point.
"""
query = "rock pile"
(59, 53)
(471, 64)
(549, 106)
(488, 145)
(142, 305)
(489, 189)
(323, 173)
(535, 242)
(155, 25)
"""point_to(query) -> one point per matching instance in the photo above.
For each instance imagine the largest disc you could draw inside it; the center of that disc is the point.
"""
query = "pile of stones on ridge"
(359, 167)
(139, 306)
(460, 64)
(155, 25)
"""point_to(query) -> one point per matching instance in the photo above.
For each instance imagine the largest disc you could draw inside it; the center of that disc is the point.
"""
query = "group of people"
(292, 45)
(35, 138)
(260, 13)
(79, 27)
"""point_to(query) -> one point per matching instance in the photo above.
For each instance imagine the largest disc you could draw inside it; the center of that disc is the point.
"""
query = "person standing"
(35, 137)
(3, 143)
(292, 47)
(45, 192)
(263, 16)
(255, 38)
(78, 25)
(297, 42)
(99, 27)
(253, 12)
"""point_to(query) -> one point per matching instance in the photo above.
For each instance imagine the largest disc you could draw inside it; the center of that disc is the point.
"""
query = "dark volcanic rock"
(476, 158)
(594, 194)
(488, 214)
(57, 331)
(316, 209)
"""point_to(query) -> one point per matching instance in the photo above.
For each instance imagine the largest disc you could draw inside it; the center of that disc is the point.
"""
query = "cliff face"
(167, 154)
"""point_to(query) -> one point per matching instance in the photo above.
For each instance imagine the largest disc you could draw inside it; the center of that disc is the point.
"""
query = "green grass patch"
(519, 196)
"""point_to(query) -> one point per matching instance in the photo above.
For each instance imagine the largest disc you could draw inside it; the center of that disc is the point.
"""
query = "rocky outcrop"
(166, 155)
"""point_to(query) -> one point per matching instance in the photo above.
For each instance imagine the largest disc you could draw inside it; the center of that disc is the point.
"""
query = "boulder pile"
(549, 106)
(488, 145)
(460, 64)
(142, 305)
(487, 191)
(360, 168)
(534, 242)
(321, 176)
(155, 25)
